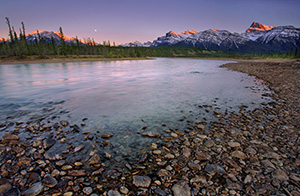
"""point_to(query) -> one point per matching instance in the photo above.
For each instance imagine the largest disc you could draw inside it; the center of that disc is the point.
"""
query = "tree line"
(19, 47)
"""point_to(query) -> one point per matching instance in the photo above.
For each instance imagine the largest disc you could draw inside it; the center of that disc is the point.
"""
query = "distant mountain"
(258, 38)
(137, 43)
(47, 36)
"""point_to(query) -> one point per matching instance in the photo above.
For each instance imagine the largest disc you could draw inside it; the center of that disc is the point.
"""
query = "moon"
(95, 30)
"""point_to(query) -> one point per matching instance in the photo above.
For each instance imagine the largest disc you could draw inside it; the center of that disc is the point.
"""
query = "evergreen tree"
(62, 44)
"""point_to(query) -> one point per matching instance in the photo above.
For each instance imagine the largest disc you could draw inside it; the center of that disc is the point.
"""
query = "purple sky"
(129, 20)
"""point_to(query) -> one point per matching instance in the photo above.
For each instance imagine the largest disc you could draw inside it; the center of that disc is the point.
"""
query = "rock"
(163, 172)
(79, 148)
(201, 127)
(250, 150)
(202, 156)
(272, 155)
(60, 163)
(124, 190)
(174, 135)
(87, 190)
(151, 134)
(64, 123)
(159, 192)
(234, 144)
(200, 180)
(33, 177)
(9, 137)
(209, 143)
(4, 188)
(268, 164)
(181, 188)
(34, 189)
(67, 167)
(169, 156)
(68, 193)
(248, 179)
(280, 175)
(95, 159)
(153, 146)
(49, 181)
(213, 168)
(48, 143)
(141, 181)
(107, 135)
(157, 152)
(13, 192)
(238, 154)
(194, 166)
(77, 173)
(114, 193)
(186, 152)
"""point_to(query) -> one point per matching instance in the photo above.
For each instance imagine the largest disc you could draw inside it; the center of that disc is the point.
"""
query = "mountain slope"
(258, 38)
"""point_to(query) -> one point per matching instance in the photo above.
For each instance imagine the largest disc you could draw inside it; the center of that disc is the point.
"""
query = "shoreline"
(60, 59)
(244, 153)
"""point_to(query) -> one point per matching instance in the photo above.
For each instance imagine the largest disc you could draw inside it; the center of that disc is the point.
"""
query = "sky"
(143, 20)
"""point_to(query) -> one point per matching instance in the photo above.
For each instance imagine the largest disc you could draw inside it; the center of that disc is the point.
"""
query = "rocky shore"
(242, 153)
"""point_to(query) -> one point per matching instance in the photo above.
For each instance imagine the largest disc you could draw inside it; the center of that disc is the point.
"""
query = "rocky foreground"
(242, 153)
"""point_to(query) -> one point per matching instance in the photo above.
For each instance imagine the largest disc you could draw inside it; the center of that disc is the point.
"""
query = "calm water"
(123, 96)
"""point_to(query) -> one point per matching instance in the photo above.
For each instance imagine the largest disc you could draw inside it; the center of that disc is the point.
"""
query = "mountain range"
(258, 38)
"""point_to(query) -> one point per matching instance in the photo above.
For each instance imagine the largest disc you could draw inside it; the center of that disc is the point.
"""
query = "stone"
(9, 137)
(238, 154)
(67, 167)
(209, 143)
(154, 146)
(169, 156)
(200, 180)
(64, 123)
(194, 166)
(157, 152)
(214, 168)
(124, 190)
(114, 193)
(34, 189)
(159, 192)
(69, 193)
(174, 135)
(48, 143)
(202, 156)
(13, 192)
(77, 173)
(87, 190)
(280, 175)
(79, 148)
(95, 159)
(49, 181)
(107, 135)
(201, 127)
(4, 188)
(234, 144)
(163, 172)
(181, 188)
(268, 164)
(141, 181)
(151, 134)
(248, 179)
(186, 152)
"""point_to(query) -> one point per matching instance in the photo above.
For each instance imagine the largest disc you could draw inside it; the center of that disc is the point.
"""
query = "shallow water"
(123, 96)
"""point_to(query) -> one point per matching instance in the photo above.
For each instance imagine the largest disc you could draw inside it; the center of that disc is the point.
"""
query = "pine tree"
(62, 44)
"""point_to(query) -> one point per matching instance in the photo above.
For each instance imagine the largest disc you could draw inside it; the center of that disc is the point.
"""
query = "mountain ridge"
(258, 38)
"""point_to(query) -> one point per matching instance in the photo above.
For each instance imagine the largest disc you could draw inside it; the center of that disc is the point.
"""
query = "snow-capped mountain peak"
(255, 26)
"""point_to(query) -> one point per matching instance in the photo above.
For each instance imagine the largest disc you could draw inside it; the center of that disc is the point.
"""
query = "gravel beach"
(242, 153)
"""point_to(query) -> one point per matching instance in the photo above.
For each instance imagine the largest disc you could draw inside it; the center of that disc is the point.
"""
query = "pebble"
(209, 143)
(280, 175)
(238, 154)
(87, 190)
(79, 148)
(49, 181)
(124, 190)
(95, 159)
(181, 188)
(34, 189)
(141, 181)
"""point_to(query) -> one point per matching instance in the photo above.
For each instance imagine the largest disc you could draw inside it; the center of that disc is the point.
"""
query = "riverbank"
(63, 59)
(245, 153)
